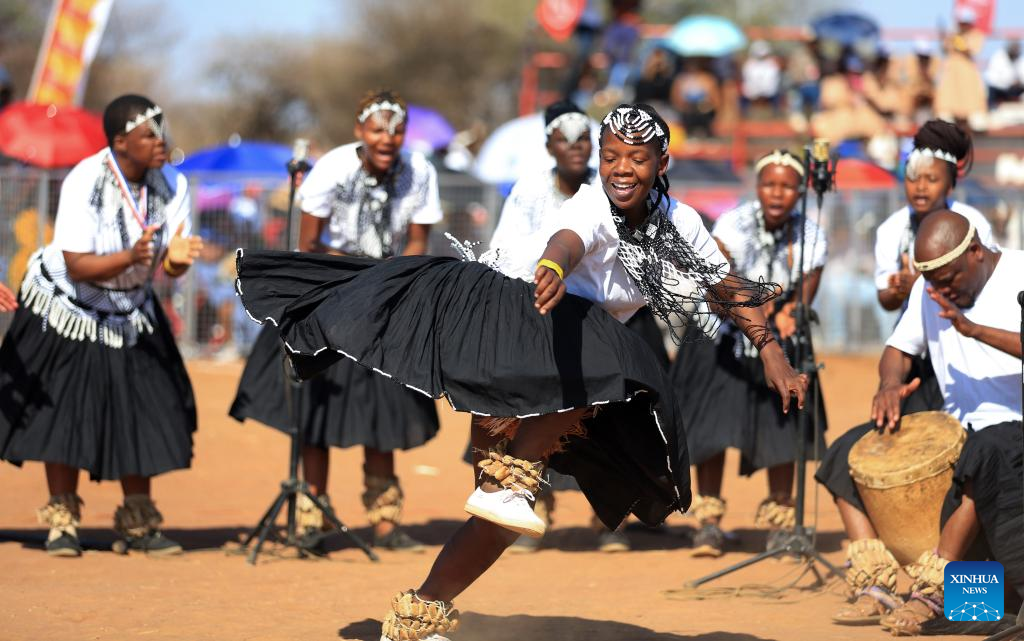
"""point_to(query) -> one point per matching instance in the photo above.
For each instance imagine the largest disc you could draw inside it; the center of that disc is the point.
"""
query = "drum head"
(926, 444)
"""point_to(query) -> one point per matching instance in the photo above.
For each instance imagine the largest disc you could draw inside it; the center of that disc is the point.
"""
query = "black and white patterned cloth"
(534, 200)
(366, 216)
(772, 256)
(95, 217)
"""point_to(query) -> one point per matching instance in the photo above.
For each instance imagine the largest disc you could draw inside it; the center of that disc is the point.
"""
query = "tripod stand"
(798, 542)
(293, 486)
(1018, 627)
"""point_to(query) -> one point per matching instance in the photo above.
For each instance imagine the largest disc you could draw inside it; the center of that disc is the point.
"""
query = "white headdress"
(573, 125)
(148, 117)
(634, 126)
(397, 113)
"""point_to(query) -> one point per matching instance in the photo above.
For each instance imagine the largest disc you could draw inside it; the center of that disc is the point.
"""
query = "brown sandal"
(906, 620)
(868, 608)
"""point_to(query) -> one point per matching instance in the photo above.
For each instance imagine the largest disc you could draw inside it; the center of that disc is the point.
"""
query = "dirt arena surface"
(565, 592)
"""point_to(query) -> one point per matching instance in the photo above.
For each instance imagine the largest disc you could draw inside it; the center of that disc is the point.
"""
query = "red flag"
(984, 11)
(559, 17)
(69, 46)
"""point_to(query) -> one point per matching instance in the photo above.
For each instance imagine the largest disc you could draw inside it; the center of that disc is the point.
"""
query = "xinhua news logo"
(973, 591)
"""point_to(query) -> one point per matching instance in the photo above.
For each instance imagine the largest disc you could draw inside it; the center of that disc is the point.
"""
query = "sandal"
(868, 608)
(906, 620)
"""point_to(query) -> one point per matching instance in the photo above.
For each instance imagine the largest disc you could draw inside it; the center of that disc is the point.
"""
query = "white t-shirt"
(980, 384)
(599, 276)
(534, 199)
(339, 189)
(94, 217)
(895, 238)
(757, 253)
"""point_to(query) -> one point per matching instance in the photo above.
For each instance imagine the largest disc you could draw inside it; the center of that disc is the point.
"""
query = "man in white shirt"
(963, 313)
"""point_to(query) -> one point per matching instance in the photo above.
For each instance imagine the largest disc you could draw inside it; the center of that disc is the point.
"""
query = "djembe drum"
(903, 476)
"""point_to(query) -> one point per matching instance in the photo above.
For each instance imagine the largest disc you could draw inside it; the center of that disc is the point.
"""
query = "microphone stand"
(1018, 626)
(293, 486)
(799, 542)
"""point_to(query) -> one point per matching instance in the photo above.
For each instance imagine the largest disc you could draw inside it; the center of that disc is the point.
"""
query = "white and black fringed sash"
(681, 287)
(113, 312)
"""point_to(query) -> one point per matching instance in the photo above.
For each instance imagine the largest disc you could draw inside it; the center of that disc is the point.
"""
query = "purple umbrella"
(427, 130)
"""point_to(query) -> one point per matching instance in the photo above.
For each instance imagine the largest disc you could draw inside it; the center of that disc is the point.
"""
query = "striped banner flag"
(72, 37)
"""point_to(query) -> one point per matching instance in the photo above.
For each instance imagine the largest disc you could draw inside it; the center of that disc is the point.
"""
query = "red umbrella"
(853, 173)
(48, 136)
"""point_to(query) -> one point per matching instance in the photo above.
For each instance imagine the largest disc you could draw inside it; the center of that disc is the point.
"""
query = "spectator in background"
(696, 97)
(654, 86)
(921, 73)
(884, 90)
(761, 78)
(620, 40)
(802, 75)
(6, 88)
(1004, 74)
(588, 28)
(960, 94)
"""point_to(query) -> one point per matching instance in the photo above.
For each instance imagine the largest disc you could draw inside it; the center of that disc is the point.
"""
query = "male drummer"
(964, 314)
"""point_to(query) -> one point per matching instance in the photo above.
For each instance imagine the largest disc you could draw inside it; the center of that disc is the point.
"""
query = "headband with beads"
(148, 117)
(573, 125)
(778, 157)
(924, 152)
(397, 118)
(635, 127)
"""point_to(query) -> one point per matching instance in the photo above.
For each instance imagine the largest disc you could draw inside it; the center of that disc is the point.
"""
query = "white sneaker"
(508, 508)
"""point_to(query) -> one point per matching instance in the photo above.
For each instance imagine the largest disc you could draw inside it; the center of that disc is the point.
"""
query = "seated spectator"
(1004, 74)
(696, 97)
(761, 78)
(960, 94)
(654, 86)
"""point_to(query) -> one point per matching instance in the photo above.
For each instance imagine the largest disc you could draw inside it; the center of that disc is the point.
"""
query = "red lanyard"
(138, 209)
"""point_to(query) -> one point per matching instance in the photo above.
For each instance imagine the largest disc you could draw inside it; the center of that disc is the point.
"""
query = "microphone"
(822, 167)
(298, 163)
(1020, 299)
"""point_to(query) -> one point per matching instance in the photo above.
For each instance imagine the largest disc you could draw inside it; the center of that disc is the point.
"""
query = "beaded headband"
(573, 125)
(931, 153)
(635, 127)
(945, 259)
(777, 157)
(397, 118)
(148, 117)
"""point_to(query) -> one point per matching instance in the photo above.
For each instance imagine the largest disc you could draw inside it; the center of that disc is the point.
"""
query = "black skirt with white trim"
(463, 331)
(115, 412)
(726, 402)
(344, 406)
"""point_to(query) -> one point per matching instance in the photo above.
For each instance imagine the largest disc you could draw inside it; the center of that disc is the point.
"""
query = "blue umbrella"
(846, 27)
(705, 35)
(244, 157)
(427, 130)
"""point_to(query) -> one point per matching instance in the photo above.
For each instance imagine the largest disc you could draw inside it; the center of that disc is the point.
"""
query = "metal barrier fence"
(245, 211)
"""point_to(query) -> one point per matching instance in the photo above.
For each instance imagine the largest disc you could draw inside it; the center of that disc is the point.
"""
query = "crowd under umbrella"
(705, 36)
(243, 157)
(48, 136)
(518, 147)
(848, 29)
(427, 131)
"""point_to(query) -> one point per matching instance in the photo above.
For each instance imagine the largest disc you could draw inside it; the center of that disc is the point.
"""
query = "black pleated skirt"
(726, 402)
(112, 412)
(344, 406)
(463, 331)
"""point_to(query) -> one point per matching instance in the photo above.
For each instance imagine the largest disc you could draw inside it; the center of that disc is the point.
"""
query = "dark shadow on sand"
(485, 627)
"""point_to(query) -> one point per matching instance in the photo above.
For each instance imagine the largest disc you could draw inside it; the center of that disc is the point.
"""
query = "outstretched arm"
(753, 323)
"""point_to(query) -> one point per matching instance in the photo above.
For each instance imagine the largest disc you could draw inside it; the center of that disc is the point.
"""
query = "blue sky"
(200, 21)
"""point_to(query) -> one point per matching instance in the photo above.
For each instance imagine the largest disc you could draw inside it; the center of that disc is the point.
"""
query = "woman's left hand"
(785, 321)
(550, 289)
(8, 300)
(782, 377)
(183, 250)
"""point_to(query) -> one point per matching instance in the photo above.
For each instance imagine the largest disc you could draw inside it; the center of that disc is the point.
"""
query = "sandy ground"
(564, 592)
